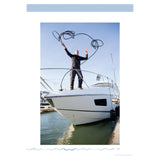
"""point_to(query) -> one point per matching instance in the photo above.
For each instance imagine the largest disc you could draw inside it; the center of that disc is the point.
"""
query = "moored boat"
(91, 104)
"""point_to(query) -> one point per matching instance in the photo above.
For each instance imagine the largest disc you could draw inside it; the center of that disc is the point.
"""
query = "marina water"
(57, 130)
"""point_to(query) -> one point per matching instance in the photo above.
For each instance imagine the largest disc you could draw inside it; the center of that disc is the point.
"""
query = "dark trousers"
(80, 78)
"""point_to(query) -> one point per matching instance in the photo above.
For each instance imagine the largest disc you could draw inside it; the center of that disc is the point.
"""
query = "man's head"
(76, 52)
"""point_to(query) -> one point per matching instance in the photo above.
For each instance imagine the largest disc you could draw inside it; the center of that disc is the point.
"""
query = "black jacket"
(76, 59)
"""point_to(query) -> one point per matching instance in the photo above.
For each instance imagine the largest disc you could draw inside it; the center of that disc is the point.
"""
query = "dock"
(115, 138)
(48, 109)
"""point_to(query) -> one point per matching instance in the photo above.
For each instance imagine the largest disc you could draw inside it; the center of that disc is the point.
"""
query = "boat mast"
(115, 84)
(113, 70)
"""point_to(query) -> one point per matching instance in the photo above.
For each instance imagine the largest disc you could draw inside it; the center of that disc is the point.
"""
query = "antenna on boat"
(113, 69)
(115, 84)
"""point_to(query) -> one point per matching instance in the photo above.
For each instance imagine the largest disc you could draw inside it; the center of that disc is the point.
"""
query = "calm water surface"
(55, 129)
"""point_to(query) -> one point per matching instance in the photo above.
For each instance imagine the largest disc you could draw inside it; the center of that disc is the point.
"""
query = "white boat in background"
(91, 104)
(44, 105)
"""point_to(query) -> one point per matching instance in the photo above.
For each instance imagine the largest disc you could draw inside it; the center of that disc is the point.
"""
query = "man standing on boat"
(76, 67)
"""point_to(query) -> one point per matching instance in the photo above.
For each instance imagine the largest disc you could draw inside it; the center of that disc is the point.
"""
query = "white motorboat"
(85, 106)
(88, 105)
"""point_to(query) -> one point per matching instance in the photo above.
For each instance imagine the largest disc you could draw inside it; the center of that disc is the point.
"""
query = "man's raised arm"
(68, 53)
(85, 58)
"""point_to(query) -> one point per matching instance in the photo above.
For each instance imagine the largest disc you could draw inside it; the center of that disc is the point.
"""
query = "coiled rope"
(66, 35)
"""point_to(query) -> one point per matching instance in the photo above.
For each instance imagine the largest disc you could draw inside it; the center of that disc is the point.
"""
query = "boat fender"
(113, 115)
(117, 111)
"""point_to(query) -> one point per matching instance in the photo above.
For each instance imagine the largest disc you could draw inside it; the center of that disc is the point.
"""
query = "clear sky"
(53, 54)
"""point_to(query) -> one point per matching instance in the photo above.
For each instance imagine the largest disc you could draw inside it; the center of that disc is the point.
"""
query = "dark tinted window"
(100, 102)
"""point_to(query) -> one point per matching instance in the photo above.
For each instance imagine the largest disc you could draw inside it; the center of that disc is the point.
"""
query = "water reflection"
(55, 129)
(94, 133)
(67, 135)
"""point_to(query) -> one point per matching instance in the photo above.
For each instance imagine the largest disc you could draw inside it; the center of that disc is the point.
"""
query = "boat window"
(42, 107)
(100, 102)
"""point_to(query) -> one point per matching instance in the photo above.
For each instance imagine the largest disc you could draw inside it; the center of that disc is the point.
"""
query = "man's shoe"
(80, 88)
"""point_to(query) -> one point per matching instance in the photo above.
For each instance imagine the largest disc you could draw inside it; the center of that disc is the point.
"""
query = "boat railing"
(45, 84)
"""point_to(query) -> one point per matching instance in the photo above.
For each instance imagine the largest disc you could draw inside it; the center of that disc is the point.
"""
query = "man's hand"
(86, 50)
(63, 45)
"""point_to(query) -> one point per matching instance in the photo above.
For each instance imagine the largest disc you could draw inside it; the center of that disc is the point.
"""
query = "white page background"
(139, 82)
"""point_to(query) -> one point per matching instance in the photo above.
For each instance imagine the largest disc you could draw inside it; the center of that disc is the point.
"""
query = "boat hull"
(84, 106)
(83, 117)
(82, 109)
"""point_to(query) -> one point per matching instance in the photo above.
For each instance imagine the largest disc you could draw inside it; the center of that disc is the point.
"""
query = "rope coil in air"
(66, 35)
